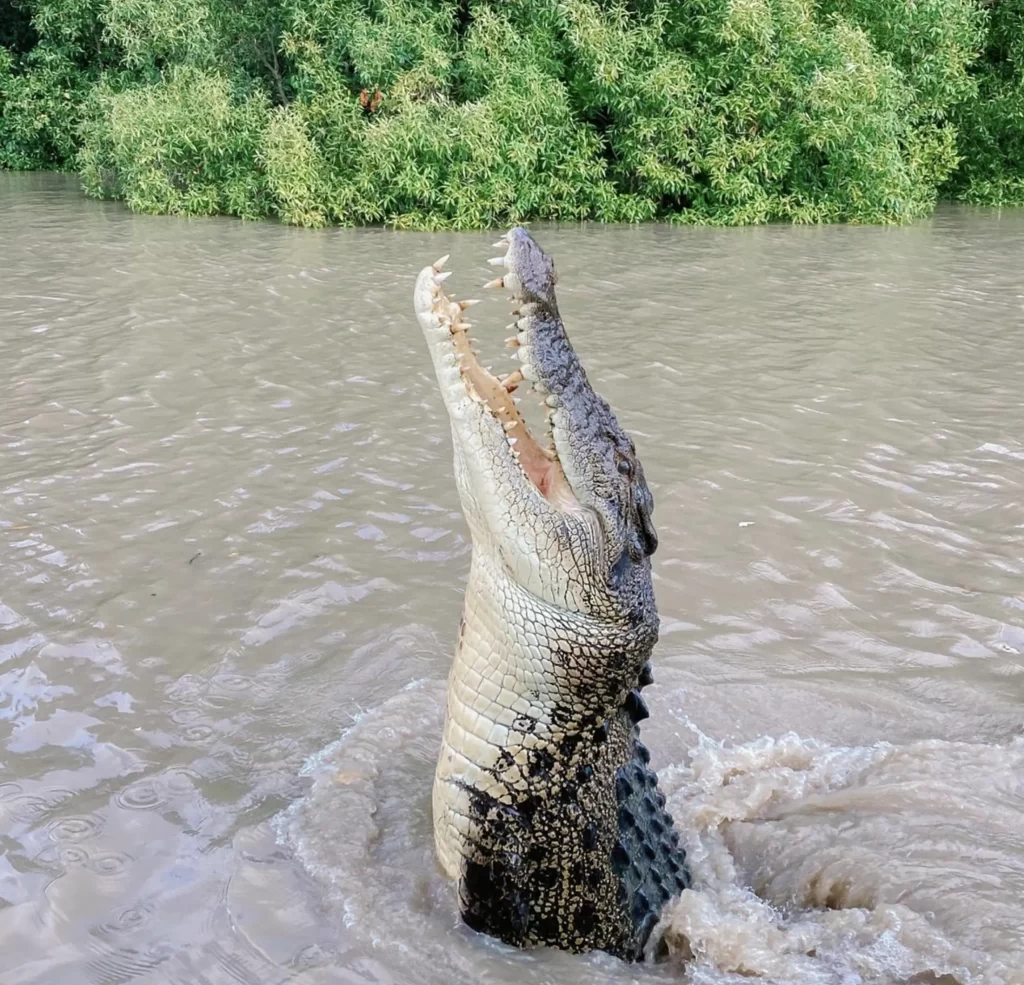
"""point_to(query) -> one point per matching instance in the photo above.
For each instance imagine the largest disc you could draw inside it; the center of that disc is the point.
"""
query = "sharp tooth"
(513, 341)
(468, 303)
(444, 275)
(513, 380)
(511, 442)
(497, 261)
(502, 244)
(497, 282)
(549, 453)
(509, 425)
(441, 261)
(465, 324)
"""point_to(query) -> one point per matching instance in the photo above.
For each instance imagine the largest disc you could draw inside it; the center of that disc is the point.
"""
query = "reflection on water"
(232, 560)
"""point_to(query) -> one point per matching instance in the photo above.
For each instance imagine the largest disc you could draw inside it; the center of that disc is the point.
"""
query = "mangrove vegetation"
(472, 113)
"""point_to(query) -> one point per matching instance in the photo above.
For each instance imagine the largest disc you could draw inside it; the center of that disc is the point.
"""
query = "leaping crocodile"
(546, 811)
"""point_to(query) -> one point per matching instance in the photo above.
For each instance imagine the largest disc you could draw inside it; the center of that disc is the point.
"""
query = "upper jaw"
(587, 438)
(596, 456)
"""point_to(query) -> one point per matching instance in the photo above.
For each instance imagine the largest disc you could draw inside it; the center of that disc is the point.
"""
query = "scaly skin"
(545, 811)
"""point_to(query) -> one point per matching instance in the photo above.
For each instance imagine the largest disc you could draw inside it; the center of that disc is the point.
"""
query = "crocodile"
(546, 811)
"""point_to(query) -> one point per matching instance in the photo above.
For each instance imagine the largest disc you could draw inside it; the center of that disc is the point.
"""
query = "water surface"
(231, 559)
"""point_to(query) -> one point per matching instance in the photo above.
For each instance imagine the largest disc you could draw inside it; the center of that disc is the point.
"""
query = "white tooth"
(517, 400)
(497, 261)
(441, 261)
(465, 324)
(501, 244)
(513, 341)
(511, 442)
(497, 282)
(468, 303)
(509, 425)
(443, 276)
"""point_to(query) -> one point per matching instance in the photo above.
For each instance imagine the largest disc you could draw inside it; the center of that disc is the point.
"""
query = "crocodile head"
(569, 514)
(545, 810)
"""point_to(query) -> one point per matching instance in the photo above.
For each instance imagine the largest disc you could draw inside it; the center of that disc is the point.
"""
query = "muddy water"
(231, 558)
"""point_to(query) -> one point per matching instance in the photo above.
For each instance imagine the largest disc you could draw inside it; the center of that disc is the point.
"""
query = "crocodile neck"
(546, 811)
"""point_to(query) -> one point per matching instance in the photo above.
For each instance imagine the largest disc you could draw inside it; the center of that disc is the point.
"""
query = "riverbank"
(481, 113)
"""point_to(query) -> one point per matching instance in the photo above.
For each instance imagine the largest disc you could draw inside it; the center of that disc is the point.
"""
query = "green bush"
(471, 113)
(41, 95)
(751, 110)
(185, 145)
(991, 125)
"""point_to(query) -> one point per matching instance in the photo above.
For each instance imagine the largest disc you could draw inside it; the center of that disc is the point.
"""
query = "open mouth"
(539, 461)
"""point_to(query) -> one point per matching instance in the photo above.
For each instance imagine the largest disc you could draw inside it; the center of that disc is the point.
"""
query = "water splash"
(813, 864)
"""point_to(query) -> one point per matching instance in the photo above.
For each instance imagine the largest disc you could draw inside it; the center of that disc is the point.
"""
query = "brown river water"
(231, 559)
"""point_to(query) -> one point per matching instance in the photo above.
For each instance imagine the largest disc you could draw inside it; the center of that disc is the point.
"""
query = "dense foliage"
(466, 113)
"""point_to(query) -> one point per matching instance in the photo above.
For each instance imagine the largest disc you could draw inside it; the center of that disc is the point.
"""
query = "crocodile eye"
(625, 467)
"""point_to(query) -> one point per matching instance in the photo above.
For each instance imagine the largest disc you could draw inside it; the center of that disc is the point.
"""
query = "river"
(231, 559)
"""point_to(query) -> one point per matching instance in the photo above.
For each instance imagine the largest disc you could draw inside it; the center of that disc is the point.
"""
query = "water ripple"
(229, 526)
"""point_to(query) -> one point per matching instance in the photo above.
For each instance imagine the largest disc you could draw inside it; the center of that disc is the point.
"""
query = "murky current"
(231, 559)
